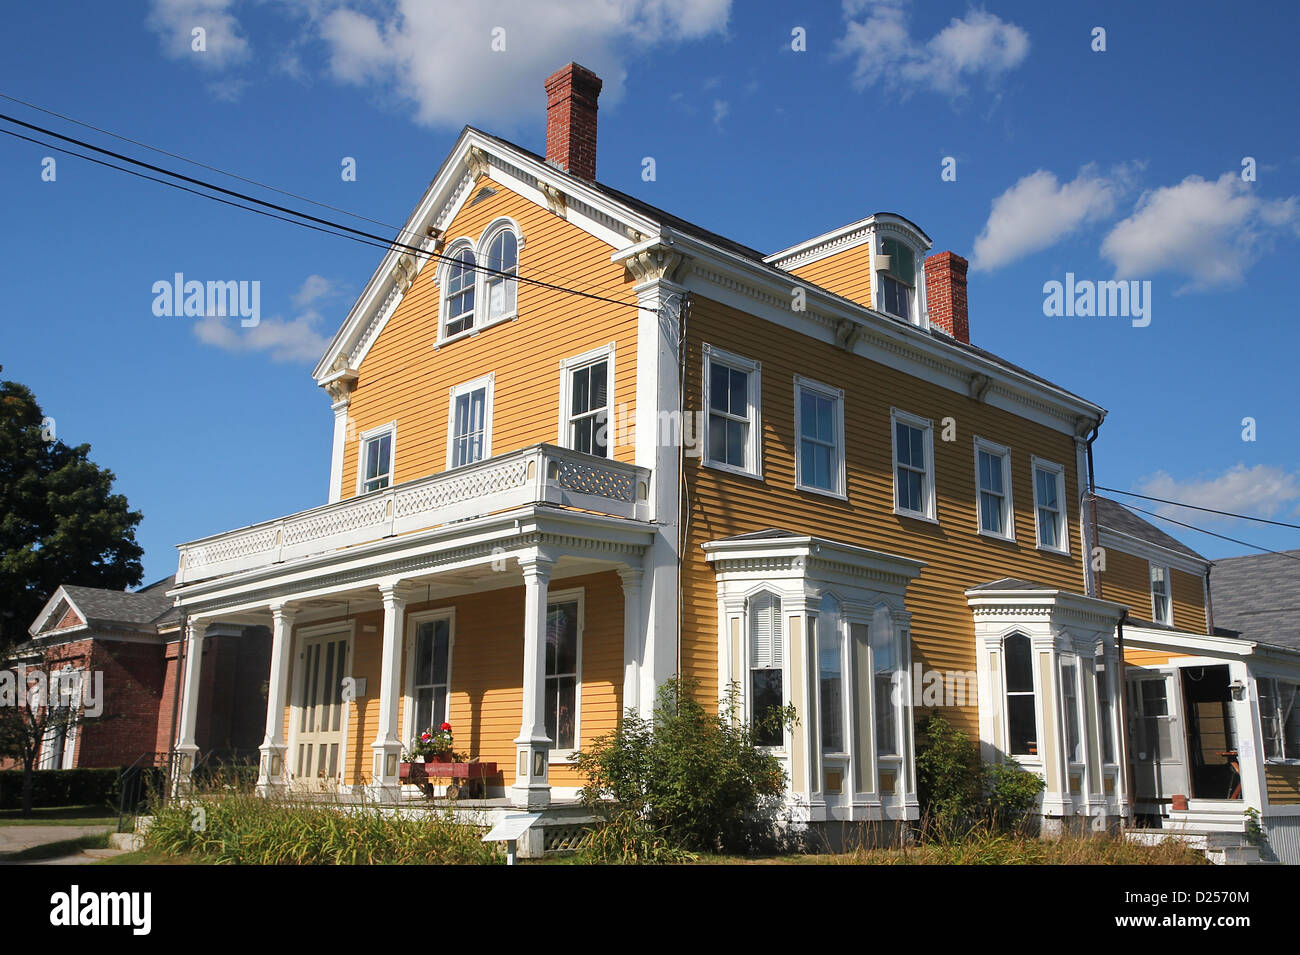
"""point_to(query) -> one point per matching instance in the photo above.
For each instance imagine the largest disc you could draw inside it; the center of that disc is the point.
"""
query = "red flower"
(445, 727)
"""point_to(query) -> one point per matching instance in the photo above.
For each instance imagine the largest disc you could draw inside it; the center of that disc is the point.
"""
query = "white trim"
(413, 621)
(486, 382)
(1039, 758)
(1009, 509)
(578, 594)
(297, 682)
(495, 228)
(754, 446)
(363, 440)
(568, 366)
(839, 489)
(1063, 520)
(443, 273)
(1112, 539)
(926, 426)
(747, 662)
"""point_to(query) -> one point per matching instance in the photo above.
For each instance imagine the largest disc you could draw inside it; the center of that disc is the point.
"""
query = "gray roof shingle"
(1117, 517)
(1259, 596)
(123, 609)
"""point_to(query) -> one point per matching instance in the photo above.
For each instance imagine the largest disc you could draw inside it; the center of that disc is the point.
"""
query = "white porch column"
(340, 409)
(632, 638)
(387, 746)
(187, 748)
(532, 787)
(272, 764)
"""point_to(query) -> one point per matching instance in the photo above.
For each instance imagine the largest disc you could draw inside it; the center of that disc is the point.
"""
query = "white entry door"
(317, 762)
(1156, 735)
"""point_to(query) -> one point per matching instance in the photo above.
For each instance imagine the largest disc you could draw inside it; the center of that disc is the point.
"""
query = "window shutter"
(766, 650)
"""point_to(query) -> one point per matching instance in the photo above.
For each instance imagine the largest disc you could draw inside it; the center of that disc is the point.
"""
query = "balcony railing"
(542, 474)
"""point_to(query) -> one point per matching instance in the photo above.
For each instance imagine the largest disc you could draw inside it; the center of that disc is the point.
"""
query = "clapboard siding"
(405, 379)
(721, 504)
(1283, 785)
(1127, 580)
(846, 273)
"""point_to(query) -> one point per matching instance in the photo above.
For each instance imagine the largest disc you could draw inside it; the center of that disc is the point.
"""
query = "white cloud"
(446, 65)
(286, 340)
(175, 21)
(1210, 231)
(1260, 491)
(720, 110)
(978, 44)
(1039, 211)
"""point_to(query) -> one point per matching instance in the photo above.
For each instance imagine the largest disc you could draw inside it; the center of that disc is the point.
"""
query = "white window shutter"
(766, 647)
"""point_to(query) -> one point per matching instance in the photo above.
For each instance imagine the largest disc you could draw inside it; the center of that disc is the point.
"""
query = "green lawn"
(60, 816)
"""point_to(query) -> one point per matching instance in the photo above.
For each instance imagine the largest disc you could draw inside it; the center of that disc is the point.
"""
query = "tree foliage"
(60, 522)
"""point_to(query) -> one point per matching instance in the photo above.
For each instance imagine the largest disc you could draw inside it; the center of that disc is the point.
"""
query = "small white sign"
(1245, 749)
(511, 827)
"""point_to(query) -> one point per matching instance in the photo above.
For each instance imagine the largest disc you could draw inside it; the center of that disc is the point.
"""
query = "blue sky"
(1124, 163)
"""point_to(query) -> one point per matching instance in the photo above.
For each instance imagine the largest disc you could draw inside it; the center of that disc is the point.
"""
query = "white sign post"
(509, 829)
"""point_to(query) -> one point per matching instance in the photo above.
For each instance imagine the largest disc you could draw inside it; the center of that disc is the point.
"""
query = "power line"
(227, 172)
(1201, 530)
(1194, 507)
(371, 237)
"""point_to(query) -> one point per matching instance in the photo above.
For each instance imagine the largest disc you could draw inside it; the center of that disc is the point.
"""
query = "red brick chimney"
(945, 291)
(571, 95)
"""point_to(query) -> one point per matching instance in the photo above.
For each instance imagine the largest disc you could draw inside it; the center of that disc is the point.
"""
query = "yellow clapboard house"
(582, 445)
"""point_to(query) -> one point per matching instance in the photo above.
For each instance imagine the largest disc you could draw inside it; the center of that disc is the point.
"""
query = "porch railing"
(542, 474)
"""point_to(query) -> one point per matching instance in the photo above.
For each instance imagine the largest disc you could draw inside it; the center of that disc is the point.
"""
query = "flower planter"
(465, 778)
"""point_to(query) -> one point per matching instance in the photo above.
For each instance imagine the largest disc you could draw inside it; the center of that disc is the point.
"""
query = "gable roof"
(98, 608)
(1116, 517)
(624, 222)
(1259, 597)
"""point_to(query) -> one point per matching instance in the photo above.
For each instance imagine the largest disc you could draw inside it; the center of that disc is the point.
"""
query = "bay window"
(766, 670)
(1021, 700)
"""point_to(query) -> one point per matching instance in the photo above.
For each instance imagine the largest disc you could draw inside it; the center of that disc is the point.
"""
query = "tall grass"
(242, 828)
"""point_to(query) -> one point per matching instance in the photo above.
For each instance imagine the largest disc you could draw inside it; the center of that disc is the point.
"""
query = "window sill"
(997, 537)
(471, 332)
(731, 469)
(916, 516)
(1053, 550)
(822, 491)
(562, 757)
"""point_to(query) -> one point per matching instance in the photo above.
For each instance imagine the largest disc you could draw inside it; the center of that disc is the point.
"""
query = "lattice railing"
(540, 474)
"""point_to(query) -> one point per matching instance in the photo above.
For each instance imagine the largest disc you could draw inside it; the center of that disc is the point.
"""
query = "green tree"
(60, 522)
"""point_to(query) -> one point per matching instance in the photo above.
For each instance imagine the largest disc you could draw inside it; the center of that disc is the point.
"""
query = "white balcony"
(542, 474)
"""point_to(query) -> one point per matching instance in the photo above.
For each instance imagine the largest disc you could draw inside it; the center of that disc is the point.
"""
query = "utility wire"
(1194, 507)
(1212, 533)
(227, 172)
(362, 235)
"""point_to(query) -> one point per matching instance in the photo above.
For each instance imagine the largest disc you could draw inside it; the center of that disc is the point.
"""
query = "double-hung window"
(731, 412)
(1105, 715)
(830, 669)
(430, 672)
(1279, 714)
(819, 424)
(563, 669)
(766, 669)
(469, 424)
(1161, 605)
(993, 481)
(586, 399)
(1049, 506)
(885, 690)
(898, 281)
(913, 465)
(1070, 703)
(501, 278)
(462, 280)
(1021, 701)
(376, 465)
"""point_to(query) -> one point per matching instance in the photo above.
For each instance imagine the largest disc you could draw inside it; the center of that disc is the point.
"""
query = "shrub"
(694, 780)
(240, 828)
(60, 787)
(958, 793)
(626, 839)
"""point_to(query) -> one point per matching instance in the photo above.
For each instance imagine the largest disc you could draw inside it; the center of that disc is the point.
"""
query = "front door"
(317, 760)
(1156, 735)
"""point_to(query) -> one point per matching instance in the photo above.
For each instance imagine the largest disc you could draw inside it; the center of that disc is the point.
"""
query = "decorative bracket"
(555, 199)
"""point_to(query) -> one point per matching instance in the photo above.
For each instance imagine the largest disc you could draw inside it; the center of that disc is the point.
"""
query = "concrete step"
(127, 841)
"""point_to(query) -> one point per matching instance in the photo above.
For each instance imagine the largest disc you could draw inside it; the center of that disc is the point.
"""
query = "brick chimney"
(571, 95)
(945, 291)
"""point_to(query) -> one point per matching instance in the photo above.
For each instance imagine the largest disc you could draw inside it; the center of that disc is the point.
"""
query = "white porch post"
(272, 764)
(532, 788)
(387, 746)
(631, 577)
(187, 748)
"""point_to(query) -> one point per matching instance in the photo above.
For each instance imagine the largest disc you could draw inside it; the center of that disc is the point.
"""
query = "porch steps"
(1220, 848)
(131, 841)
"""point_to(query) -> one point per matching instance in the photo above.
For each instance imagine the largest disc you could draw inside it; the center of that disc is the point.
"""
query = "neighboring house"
(791, 472)
(127, 642)
(1212, 665)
